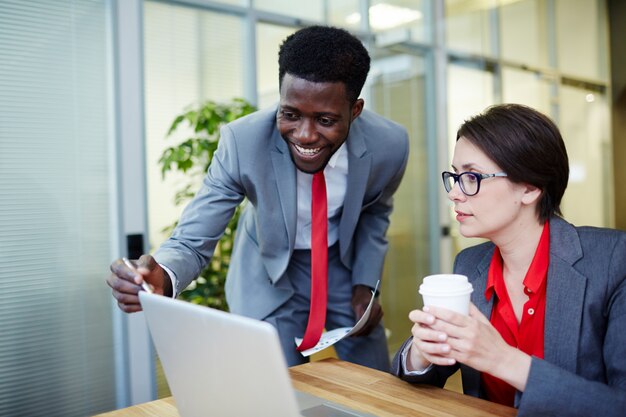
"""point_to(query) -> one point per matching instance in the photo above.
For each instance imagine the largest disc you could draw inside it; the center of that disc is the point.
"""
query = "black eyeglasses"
(468, 181)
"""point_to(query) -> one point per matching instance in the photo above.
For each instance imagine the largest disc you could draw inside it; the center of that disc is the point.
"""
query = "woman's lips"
(460, 216)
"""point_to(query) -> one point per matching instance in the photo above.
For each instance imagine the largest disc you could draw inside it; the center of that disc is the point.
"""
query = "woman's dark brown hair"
(526, 145)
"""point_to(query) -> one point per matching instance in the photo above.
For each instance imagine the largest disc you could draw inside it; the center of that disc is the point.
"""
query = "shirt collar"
(537, 271)
(341, 153)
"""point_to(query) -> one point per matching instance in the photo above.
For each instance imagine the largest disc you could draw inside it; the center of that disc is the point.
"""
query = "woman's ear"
(531, 194)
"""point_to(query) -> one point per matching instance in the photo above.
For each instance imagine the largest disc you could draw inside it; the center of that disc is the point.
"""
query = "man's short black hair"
(325, 54)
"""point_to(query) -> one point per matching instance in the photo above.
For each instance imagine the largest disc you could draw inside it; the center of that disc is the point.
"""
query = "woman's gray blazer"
(584, 369)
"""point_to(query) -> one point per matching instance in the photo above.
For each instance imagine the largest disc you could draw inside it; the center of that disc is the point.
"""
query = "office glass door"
(397, 91)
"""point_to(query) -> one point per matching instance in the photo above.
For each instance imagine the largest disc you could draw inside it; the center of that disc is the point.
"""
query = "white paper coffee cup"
(451, 291)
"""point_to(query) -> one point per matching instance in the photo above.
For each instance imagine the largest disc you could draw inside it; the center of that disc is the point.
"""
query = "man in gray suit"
(269, 158)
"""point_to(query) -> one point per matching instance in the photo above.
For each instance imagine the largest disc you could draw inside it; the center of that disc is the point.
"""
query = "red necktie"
(319, 263)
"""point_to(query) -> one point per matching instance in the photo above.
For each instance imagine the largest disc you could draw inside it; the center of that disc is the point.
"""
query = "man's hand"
(361, 296)
(126, 284)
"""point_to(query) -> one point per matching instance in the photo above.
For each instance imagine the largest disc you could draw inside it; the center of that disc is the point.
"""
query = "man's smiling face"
(314, 119)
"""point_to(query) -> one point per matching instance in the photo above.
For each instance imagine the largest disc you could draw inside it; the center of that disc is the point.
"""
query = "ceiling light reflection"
(385, 16)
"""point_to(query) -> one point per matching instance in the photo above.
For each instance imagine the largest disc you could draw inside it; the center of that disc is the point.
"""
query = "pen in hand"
(146, 287)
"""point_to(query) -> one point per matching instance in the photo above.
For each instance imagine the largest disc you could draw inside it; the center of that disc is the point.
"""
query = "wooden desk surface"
(360, 388)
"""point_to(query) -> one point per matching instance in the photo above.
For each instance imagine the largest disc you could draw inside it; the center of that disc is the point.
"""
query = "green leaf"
(175, 124)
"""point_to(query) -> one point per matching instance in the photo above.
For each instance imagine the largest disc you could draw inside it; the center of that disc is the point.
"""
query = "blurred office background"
(88, 89)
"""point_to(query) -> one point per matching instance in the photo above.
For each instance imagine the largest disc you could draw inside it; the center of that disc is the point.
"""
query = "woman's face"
(499, 206)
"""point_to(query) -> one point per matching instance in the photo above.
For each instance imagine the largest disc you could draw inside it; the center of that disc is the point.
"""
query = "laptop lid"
(217, 363)
(222, 364)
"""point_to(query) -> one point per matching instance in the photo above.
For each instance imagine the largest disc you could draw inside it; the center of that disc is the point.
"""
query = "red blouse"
(528, 334)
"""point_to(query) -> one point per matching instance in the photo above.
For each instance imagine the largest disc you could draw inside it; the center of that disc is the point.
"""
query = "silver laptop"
(221, 364)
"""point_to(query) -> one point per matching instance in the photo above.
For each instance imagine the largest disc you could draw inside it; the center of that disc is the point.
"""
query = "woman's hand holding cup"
(449, 293)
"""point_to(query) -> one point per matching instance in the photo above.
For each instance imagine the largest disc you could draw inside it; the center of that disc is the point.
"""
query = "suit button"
(531, 311)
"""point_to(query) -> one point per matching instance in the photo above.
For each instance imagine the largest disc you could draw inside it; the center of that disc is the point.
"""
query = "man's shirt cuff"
(172, 278)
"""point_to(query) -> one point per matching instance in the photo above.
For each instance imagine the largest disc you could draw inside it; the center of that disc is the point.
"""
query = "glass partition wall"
(397, 91)
(548, 54)
(434, 64)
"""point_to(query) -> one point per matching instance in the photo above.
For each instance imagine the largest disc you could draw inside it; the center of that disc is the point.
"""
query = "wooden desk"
(360, 388)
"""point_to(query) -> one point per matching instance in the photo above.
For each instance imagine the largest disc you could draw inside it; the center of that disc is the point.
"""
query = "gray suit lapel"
(479, 282)
(564, 296)
(359, 166)
(471, 376)
(285, 173)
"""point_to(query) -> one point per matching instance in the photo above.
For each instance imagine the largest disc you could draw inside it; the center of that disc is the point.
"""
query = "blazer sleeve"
(205, 218)
(551, 390)
(437, 375)
(370, 242)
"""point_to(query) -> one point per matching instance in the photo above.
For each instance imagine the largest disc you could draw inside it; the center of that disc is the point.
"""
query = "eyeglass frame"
(456, 177)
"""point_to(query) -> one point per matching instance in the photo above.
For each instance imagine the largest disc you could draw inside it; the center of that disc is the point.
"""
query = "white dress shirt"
(336, 175)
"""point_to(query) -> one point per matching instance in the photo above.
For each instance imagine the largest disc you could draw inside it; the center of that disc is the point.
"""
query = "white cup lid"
(446, 284)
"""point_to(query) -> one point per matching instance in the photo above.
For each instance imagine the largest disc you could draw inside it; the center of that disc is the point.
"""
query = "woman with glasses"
(546, 331)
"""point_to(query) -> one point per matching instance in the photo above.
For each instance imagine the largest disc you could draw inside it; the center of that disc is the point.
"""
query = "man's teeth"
(307, 151)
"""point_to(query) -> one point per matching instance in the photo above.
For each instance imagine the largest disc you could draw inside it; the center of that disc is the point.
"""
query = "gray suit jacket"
(584, 369)
(253, 161)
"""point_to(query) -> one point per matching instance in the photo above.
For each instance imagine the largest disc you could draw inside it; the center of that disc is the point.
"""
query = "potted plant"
(193, 156)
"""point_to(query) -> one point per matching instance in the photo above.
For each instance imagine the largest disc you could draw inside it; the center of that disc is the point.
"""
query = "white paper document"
(330, 338)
